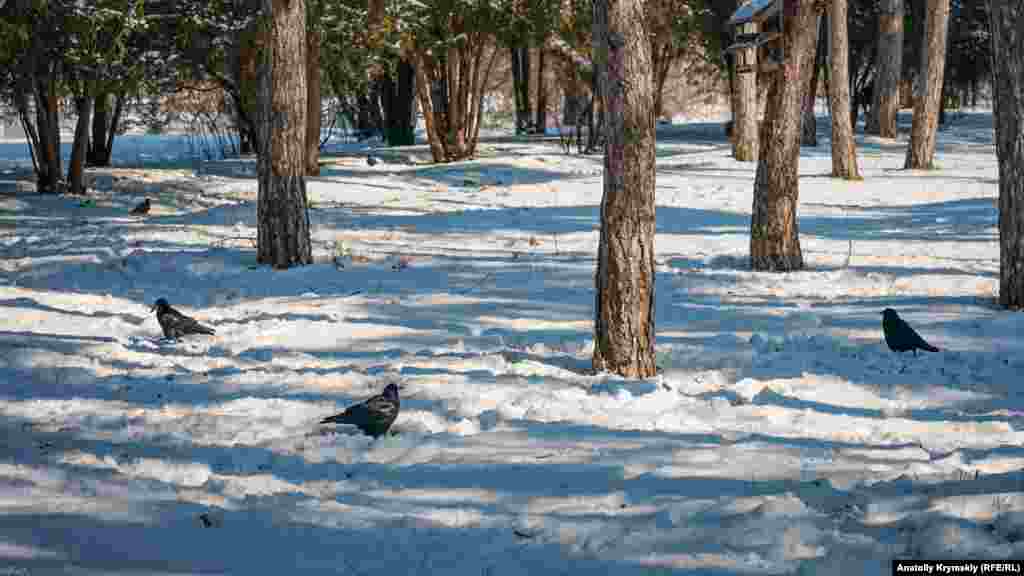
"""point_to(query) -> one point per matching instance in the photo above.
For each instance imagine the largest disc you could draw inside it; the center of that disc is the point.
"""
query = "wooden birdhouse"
(758, 26)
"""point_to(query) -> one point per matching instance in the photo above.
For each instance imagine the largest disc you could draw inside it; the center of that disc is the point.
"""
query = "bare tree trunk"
(313, 101)
(624, 301)
(744, 129)
(921, 152)
(451, 94)
(96, 155)
(431, 118)
(541, 125)
(813, 61)
(661, 63)
(886, 98)
(283, 238)
(1007, 21)
(774, 234)
(105, 125)
(48, 131)
(521, 86)
(80, 146)
(398, 99)
(246, 102)
(844, 150)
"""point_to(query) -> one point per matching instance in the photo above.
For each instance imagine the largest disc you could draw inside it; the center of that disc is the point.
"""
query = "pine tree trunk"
(943, 98)
(283, 238)
(251, 42)
(624, 301)
(1007, 20)
(80, 146)
(450, 93)
(661, 63)
(96, 155)
(774, 233)
(844, 149)
(541, 124)
(398, 99)
(927, 100)
(48, 130)
(313, 101)
(744, 129)
(813, 60)
(433, 117)
(521, 86)
(886, 97)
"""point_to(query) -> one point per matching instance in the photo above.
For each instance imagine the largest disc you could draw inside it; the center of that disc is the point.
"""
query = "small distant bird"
(141, 207)
(900, 336)
(175, 324)
(373, 416)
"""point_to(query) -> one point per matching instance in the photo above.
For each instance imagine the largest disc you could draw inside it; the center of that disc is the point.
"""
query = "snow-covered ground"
(782, 437)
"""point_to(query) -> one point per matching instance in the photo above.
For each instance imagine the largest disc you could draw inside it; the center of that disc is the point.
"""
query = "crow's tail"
(336, 419)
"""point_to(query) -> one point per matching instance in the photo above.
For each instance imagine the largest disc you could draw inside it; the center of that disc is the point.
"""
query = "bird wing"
(920, 342)
(354, 415)
(185, 324)
(913, 338)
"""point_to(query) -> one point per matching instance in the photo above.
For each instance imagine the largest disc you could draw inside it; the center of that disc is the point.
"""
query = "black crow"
(142, 207)
(900, 336)
(175, 324)
(373, 416)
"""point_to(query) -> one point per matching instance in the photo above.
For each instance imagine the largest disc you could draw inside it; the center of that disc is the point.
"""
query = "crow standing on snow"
(174, 323)
(142, 207)
(373, 416)
(900, 336)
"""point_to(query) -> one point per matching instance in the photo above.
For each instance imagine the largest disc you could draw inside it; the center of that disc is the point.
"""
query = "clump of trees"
(274, 60)
(86, 55)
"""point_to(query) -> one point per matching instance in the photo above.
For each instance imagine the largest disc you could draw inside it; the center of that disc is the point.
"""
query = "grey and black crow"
(175, 324)
(141, 207)
(374, 416)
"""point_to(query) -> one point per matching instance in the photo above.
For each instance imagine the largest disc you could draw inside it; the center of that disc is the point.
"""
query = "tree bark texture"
(80, 146)
(97, 156)
(844, 149)
(283, 238)
(1007, 21)
(886, 98)
(624, 300)
(541, 124)
(928, 96)
(48, 132)
(245, 96)
(313, 101)
(745, 145)
(664, 54)
(774, 234)
(105, 125)
(521, 86)
(813, 60)
(451, 91)
(398, 101)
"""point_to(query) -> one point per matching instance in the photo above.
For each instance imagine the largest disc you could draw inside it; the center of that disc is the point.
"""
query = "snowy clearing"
(782, 437)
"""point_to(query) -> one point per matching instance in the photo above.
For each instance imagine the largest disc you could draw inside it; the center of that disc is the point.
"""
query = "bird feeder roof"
(754, 10)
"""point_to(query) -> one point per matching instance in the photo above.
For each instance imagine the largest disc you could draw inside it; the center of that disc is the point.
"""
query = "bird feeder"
(758, 27)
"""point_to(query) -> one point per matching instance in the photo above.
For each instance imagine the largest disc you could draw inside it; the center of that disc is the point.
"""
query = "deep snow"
(781, 438)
